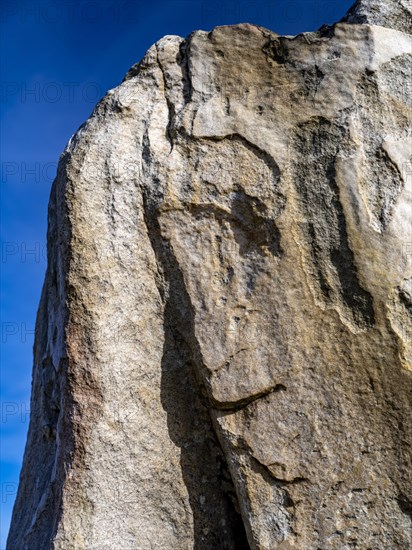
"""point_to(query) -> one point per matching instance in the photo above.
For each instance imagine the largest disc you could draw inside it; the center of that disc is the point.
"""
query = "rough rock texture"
(223, 348)
(395, 14)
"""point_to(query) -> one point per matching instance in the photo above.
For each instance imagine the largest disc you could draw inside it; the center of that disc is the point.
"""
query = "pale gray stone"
(395, 14)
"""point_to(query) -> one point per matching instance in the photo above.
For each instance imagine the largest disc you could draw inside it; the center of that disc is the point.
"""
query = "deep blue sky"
(58, 58)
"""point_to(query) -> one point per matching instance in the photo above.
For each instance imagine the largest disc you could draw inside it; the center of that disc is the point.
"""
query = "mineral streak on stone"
(223, 346)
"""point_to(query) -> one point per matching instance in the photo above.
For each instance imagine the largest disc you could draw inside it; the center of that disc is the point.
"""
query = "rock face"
(395, 14)
(223, 348)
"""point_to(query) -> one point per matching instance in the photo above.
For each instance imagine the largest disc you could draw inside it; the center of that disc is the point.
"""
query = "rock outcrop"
(395, 14)
(223, 347)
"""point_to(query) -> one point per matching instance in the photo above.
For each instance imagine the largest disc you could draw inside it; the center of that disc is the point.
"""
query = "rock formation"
(394, 14)
(223, 347)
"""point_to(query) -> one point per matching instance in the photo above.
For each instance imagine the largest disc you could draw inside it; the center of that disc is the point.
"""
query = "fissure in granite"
(182, 348)
(318, 143)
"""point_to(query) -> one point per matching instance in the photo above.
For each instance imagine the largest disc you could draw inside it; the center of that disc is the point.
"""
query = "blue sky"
(58, 58)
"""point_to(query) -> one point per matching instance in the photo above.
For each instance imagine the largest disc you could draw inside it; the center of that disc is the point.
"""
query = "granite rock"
(223, 344)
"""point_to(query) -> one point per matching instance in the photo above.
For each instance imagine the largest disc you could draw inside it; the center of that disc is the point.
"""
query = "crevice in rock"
(260, 229)
(258, 151)
(384, 181)
(317, 144)
(243, 446)
(254, 226)
(318, 77)
(286, 504)
(49, 399)
(232, 407)
(184, 398)
(170, 105)
(278, 50)
(280, 482)
(251, 228)
(183, 62)
(405, 299)
(388, 185)
(405, 504)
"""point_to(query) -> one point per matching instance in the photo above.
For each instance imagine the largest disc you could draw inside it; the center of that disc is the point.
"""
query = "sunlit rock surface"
(223, 347)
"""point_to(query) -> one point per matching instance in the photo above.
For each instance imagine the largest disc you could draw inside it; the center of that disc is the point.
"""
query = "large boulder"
(223, 346)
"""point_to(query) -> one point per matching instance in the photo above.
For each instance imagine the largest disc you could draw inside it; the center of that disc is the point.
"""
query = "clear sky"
(58, 58)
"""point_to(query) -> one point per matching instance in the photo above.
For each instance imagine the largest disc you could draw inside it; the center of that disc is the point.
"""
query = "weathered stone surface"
(395, 14)
(223, 343)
